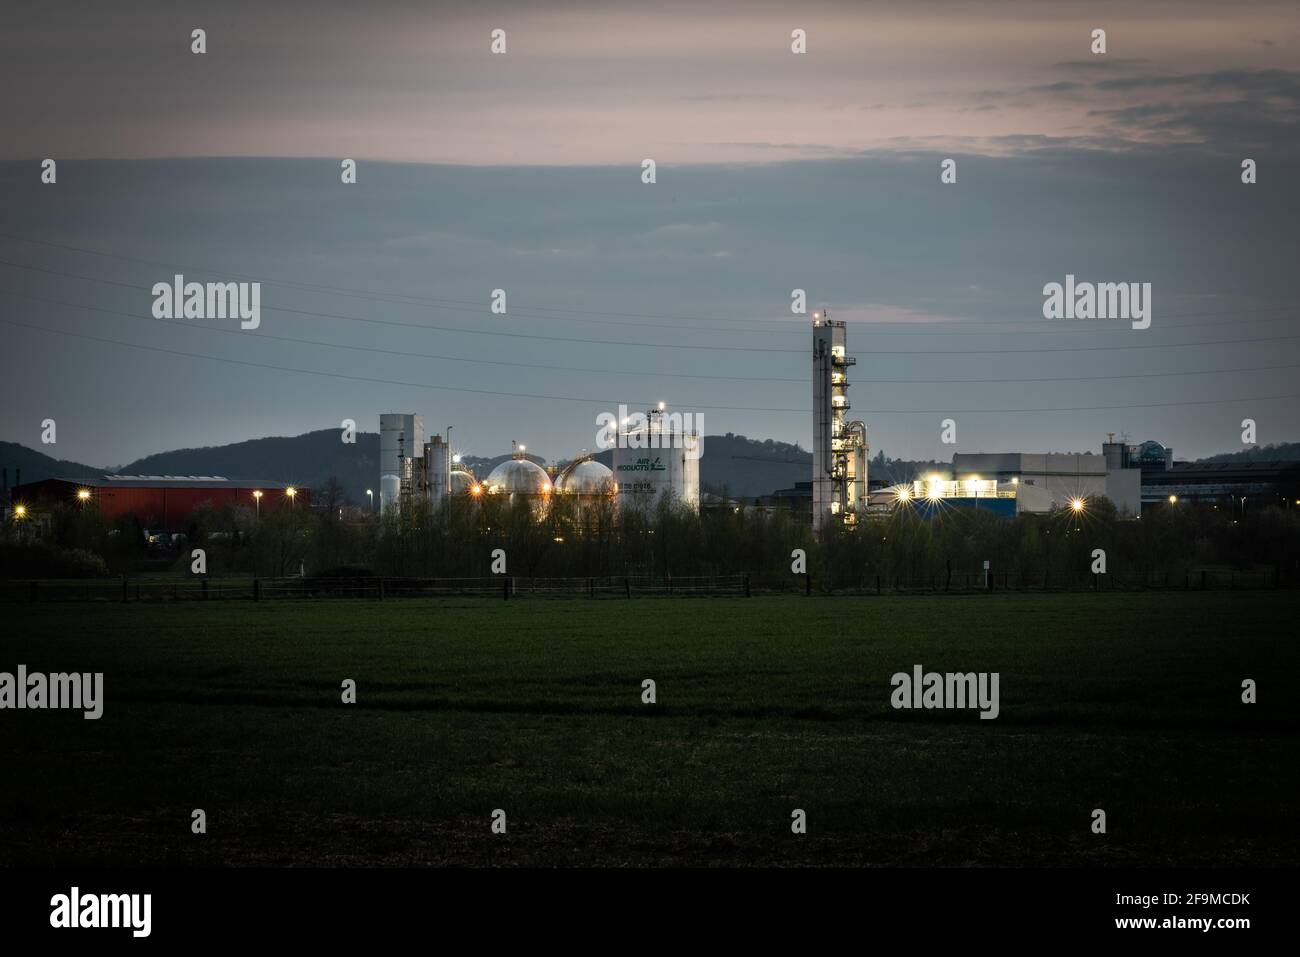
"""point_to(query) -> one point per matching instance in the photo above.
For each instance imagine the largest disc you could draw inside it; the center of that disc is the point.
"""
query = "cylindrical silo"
(437, 469)
(401, 440)
(656, 457)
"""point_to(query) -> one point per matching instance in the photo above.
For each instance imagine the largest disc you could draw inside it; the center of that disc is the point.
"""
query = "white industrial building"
(1044, 481)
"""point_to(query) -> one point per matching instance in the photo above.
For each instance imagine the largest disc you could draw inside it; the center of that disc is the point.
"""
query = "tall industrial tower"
(401, 447)
(839, 447)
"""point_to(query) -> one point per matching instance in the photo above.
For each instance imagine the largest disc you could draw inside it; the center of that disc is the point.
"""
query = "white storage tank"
(437, 470)
(655, 457)
(518, 475)
(462, 481)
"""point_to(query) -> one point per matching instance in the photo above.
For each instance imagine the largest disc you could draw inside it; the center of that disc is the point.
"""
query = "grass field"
(1126, 702)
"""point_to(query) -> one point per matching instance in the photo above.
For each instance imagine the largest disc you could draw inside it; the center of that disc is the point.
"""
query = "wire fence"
(980, 581)
(508, 587)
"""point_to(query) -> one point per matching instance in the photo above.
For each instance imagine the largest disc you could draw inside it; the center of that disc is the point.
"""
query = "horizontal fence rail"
(507, 587)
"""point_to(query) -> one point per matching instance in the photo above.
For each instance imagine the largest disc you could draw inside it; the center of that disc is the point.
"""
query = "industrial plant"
(655, 457)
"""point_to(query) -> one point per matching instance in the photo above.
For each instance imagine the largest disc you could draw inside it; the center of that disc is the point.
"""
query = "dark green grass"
(1129, 703)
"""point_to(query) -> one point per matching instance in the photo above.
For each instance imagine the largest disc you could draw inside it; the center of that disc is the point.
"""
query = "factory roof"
(170, 481)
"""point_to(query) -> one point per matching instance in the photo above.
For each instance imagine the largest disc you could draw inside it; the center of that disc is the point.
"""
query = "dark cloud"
(1103, 62)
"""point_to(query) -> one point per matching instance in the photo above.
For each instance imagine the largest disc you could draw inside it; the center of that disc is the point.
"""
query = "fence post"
(124, 588)
(257, 589)
(591, 587)
(205, 589)
(670, 584)
(746, 584)
(1202, 579)
(627, 586)
(807, 584)
(877, 584)
(505, 589)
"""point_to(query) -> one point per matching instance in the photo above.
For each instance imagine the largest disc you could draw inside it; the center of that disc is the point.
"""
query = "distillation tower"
(839, 446)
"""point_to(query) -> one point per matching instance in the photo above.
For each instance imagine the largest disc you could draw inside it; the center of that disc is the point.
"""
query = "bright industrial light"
(20, 511)
(456, 458)
(1014, 480)
(523, 448)
(1077, 504)
(83, 494)
(291, 491)
(476, 489)
(257, 493)
(935, 478)
(662, 406)
(817, 315)
(1173, 500)
(368, 492)
(904, 494)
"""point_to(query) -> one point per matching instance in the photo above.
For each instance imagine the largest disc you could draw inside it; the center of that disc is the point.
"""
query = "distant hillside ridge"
(311, 459)
(1281, 452)
(37, 466)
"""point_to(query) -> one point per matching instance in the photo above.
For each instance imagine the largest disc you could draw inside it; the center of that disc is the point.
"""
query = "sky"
(522, 171)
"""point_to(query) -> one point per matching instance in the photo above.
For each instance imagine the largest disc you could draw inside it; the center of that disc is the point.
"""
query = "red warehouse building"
(163, 502)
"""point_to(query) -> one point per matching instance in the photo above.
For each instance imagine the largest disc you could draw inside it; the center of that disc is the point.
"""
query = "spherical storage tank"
(1151, 451)
(461, 481)
(586, 478)
(518, 477)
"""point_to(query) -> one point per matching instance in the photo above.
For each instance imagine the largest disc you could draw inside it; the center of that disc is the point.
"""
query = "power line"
(400, 352)
(532, 312)
(648, 373)
(560, 398)
(340, 375)
(434, 328)
(692, 347)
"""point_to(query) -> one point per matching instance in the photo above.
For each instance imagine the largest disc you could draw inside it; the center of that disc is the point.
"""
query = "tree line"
(592, 538)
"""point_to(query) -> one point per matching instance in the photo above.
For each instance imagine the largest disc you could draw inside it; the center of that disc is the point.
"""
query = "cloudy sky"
(522, 171)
